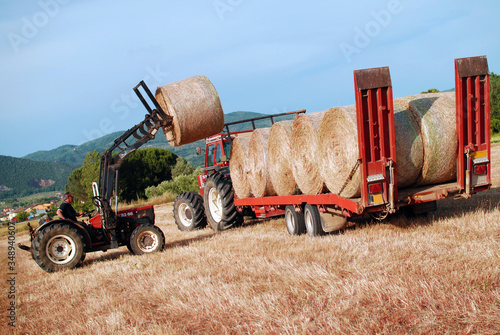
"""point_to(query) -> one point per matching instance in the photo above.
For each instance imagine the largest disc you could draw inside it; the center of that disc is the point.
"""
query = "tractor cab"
(217, 150)
(217, 154)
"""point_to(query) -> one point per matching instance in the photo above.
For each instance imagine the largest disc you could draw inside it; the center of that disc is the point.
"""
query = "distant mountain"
(75, 154)
(22, 177)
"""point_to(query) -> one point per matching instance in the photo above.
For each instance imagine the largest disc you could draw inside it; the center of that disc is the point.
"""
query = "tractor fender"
(78, 225)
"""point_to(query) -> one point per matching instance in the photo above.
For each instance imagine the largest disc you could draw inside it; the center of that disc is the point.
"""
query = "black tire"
(295, 224)
(218, 199)
(58, 247)
(189, 213)
(146, 239)
(313, 220)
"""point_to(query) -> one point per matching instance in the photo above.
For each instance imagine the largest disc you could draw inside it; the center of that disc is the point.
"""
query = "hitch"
(23, 247)
(32, 236)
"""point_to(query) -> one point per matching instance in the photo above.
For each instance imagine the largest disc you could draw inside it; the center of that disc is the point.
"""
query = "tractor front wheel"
(58, 247)
(218, 199)
(146, 239)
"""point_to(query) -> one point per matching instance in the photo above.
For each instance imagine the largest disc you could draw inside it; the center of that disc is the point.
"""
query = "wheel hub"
(215, 204)
(185, 215)
(61, 249)
(147, 241)
(290, 221)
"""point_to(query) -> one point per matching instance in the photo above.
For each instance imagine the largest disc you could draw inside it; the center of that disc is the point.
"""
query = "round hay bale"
(195, 107)
(409, 144)
(436, 112)
(304, 141)
(338, 149)
(279, 158)
(259, 180)
(238, 165)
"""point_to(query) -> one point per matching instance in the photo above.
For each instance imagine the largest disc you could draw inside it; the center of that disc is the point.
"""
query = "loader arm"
(130, 141)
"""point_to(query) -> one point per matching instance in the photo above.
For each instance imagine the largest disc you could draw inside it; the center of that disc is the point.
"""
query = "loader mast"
(130, 141)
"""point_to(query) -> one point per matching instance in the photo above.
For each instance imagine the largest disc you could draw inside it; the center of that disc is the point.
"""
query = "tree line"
(495, 102)
(142, 169)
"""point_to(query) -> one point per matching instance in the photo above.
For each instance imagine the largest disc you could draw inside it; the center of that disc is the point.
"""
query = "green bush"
(431, 90)
(179, 184)
(495, 126)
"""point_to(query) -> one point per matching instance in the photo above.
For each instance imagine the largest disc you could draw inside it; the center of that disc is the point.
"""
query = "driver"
(66, 211)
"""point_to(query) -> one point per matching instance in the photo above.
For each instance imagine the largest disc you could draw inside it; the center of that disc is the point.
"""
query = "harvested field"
(426, 275)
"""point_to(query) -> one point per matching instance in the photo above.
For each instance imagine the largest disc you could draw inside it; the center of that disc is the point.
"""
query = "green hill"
(74, 154)
(21, 177)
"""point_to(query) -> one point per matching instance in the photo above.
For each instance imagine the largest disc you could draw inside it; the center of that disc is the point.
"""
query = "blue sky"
(68, 66)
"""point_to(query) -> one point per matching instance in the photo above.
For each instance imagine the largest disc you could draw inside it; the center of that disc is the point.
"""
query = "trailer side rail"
(472, 87)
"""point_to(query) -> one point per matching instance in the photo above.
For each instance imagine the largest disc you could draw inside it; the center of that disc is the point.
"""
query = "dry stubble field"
(429, 275)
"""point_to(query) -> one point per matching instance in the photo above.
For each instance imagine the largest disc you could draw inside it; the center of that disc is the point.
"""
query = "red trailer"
(377, 162)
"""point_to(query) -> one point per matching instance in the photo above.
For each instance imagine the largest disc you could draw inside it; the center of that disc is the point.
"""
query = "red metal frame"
(472, 87)
(350, 205)
(376, 134)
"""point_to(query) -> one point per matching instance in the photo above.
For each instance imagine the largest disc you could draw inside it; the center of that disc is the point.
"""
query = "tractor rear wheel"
(146, 239)
(313, 220)
(218, 199)
(189, 213)
(58, 247)
(294, 221)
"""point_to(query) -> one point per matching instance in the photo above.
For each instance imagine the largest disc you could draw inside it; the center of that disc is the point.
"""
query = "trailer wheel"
(146, 239)
(313, 220)
(189, 213)
(218, 199)
(58, 247)
(294, 221)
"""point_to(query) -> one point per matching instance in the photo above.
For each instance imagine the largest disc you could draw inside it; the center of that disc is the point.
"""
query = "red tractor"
(215, 202)
(62, 244)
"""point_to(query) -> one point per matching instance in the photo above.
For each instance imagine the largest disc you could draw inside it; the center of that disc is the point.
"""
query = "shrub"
(179, 184)
(495, 126)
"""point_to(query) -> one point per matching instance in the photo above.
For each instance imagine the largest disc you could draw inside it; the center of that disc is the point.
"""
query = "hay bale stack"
(338, 149)
(259, 180)
(279, 158)
(238, 165)
(195, 107)
(436, 112)
(304, 141)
